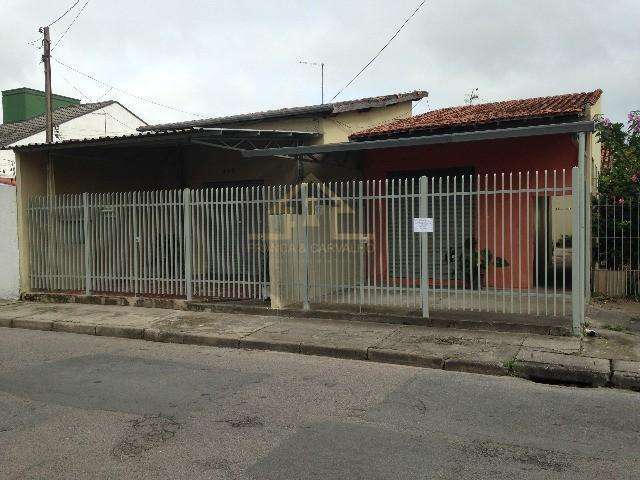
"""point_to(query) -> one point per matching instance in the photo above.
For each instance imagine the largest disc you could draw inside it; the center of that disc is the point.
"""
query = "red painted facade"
(504, 222)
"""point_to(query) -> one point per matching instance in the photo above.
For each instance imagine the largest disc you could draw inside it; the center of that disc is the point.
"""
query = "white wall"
(9, 272)
(111, 120)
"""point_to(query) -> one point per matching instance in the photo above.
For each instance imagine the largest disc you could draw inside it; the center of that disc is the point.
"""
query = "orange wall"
(513, 224)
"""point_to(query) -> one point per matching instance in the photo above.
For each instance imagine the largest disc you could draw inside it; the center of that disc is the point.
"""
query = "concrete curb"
(272, 345)
(404, 358)
(471, 365)
(68, 327)
(625, 375)
(349, 353)
(562, 368)
(530, 364)
(135, 333)
(32, 324)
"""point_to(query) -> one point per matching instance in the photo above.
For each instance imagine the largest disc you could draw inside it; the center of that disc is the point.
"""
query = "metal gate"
(498, 244)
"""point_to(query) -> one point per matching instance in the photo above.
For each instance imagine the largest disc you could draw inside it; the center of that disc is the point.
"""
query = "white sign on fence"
(422, 225)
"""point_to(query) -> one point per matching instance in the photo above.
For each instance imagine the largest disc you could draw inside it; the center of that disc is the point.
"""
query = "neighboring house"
(24, 121)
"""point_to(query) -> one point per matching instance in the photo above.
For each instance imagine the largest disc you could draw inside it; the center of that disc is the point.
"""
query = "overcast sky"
(221, 57)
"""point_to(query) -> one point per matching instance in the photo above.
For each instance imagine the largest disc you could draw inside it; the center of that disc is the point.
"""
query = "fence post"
(424, 261)
(87, 245)
(186, 200)
(361, 242)
(585, 218)
(577, 268)
(304, 194)
(136, 246)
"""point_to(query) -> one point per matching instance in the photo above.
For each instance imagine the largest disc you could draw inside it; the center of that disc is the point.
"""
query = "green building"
(21, 104)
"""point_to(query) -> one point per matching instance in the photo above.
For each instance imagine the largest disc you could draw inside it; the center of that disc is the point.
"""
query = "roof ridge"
(597, 92)
(16, 131)
(284, 111)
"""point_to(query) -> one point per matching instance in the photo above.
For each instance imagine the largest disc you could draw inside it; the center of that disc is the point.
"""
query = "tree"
(616, 208)
(619, 179)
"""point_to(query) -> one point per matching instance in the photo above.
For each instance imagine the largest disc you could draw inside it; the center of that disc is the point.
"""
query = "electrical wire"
(380, 51)
(71, 24)
(66, 11)
(96, 101)
(104, 84)
(76, 88)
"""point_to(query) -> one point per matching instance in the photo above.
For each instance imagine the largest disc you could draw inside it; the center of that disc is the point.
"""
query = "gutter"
(514, 132)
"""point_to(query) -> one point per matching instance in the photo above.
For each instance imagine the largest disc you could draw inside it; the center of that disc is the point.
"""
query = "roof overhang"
(479, 135)
(237, 139)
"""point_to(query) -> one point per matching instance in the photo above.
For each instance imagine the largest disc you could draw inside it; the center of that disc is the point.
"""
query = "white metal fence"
(500, 243)
(616, 246)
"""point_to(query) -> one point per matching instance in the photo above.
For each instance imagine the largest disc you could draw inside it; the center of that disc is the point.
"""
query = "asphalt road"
(74, 406)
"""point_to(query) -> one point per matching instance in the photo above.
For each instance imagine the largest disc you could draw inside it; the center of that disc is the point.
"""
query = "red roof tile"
(8, 181)
(485, 113)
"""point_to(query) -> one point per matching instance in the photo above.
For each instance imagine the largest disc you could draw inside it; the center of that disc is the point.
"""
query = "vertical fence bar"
(360, 242)
(455, 243)
(462, 246)
(186, 199)
(424, 260)
(87, 244)
(304, 194)
(576, 293)
(136, 245)
(519, 241)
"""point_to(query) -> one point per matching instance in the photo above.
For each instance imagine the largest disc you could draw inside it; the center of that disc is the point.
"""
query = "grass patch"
(614, 328)
(510, 365)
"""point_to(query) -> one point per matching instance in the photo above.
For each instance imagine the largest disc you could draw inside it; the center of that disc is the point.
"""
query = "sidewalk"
(611, 359)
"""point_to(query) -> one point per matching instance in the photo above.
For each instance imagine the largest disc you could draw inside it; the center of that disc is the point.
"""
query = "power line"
(71, 24)
(76, 88)
(66, 11)
(381, 50)
(148, 100)
(87, 97)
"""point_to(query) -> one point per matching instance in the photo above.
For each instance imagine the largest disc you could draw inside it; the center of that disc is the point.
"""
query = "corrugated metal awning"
(224, 137)
(514, 132)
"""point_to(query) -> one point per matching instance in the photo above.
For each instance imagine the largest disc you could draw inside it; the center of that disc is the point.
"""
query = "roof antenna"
(321, 65)
(471, 96)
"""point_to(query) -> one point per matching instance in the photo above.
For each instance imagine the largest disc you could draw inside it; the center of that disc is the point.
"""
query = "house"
(490, 176)
(24, 121)
(482, 143)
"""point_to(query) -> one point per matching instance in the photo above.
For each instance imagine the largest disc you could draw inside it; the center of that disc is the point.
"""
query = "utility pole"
(321, 65)
(46, 59)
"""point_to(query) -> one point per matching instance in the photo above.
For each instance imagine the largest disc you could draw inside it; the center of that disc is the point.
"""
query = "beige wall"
(336, 129)
(31, 177)
(593, 150)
